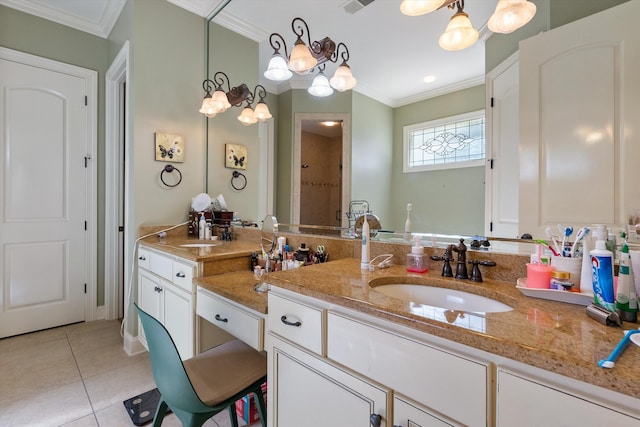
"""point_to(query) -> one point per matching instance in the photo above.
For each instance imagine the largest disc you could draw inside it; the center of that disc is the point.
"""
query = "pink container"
(539, 275)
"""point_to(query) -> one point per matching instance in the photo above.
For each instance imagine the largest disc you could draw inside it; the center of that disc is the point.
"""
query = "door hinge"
(85, 226)
(491, 226)
(492, 102)
(85, 288)
(86, 100)
(491, 163)
(86, 159)
(121, 228)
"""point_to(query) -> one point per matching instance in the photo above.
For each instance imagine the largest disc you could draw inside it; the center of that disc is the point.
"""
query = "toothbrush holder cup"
(539, 275)
(573, 266)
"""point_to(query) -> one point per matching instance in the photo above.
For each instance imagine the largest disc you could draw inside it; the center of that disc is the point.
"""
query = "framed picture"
(169, 148)
(235, 156)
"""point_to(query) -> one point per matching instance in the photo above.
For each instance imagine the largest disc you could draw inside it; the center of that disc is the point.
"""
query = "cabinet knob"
(142, 258)
(181, 275)
(158, 289)
(284, 320)
(221, 319)
(376, 420)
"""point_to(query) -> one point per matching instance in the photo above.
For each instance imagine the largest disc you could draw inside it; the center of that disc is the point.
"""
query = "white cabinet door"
(502, 171)
(306, 391)
(408, 414)
(148, 297)
(579, 109)
(179, 318)
(526, 403)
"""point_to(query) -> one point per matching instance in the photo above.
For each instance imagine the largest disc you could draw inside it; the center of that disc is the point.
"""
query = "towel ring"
(236, 175)
(170, 169)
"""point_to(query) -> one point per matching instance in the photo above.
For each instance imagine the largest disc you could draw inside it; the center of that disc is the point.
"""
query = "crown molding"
(100, 28)
(465, 84)
(235, 24)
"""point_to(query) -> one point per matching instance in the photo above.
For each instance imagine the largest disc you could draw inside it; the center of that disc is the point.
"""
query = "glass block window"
(451, 142)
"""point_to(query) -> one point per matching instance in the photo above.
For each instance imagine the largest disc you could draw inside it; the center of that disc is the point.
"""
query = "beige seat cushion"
(223, 371)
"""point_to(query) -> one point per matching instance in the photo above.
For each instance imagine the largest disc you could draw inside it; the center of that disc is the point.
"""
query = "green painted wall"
(448, 201)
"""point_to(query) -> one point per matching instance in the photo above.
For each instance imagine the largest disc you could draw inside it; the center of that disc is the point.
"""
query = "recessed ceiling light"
(329, 123)
(429, 79)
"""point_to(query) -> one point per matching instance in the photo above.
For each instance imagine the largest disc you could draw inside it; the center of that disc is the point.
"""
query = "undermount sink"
(200, 245)
(446, 298)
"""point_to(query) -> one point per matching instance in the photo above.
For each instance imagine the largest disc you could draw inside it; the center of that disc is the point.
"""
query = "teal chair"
(200, 387)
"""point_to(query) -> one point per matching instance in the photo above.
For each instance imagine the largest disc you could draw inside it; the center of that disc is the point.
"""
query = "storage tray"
(554, 295)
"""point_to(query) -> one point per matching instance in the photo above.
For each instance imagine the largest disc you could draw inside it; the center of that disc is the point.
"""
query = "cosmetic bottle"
(417, 260)
(202, 226)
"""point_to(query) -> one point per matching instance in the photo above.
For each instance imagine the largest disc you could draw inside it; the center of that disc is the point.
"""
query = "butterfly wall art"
(235, 156)
(169, 148)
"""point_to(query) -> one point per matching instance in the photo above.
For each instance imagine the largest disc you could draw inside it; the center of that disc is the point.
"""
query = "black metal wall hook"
(235, 175)
(170, 169)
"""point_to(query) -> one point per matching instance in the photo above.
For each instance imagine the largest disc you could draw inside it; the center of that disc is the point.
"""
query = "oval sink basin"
(200, 245)
(442, 297)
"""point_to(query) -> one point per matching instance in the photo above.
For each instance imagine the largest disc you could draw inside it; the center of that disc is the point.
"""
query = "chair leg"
(161, 411)
(232, 415)
(262, 408)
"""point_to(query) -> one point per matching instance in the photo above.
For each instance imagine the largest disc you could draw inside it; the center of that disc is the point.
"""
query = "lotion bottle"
(417, 260)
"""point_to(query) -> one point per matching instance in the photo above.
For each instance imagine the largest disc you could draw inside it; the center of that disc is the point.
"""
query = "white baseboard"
(132, 345)
(100, 312)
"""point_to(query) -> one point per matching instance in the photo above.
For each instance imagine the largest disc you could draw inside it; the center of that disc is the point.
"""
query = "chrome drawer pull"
(181, 275)
(220, 319)
(286, 322)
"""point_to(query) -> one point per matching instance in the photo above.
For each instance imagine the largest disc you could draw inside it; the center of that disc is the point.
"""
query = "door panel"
(43, 128)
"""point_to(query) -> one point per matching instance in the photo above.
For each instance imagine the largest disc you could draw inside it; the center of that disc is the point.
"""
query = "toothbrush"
(551, 237)
(546, 245)
(582, 233)
(609, 362)
(568, 231)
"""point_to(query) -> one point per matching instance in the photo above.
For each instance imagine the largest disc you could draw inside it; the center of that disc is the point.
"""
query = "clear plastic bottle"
(417, 260)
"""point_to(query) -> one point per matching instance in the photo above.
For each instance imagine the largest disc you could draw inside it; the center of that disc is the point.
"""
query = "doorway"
(321, 169)
(116, 207)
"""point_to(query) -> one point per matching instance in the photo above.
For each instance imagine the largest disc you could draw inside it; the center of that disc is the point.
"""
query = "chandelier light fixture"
(508, 16)
(305, 57)
(221, 100)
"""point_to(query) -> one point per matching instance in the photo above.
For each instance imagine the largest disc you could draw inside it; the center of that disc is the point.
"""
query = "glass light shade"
(320, 86)
(343, 80)
(277, 69)
(301, 61)
(206, 108)
(459, 34)
(511, 15)
(261, 112)
(246, 117)
(219, 101)
(419, 7)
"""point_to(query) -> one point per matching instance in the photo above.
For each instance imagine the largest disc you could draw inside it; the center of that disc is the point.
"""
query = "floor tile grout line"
(84, 385)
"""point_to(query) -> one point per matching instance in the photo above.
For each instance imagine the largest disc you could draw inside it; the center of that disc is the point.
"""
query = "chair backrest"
(168, 371)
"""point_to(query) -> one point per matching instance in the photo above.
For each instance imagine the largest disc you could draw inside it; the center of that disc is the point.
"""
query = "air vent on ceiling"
(355, 5)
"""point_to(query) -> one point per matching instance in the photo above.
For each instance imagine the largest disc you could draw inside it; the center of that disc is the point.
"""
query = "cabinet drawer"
(183, 275)
(297, 322)
(428, 375)
(161, 265)
(143, 258)
(238, 322)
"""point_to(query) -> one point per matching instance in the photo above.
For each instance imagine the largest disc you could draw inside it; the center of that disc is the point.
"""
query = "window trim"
(437, 122)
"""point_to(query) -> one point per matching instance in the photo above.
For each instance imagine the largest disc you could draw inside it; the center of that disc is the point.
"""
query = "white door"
(502, 171)
(44, 132)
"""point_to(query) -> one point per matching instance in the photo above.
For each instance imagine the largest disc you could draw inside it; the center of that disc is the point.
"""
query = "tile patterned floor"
(74, 376)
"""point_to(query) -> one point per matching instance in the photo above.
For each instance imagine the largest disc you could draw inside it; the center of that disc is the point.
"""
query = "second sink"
(442, 297)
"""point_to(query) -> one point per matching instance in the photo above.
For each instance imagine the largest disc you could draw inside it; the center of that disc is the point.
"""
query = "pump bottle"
(417, 260)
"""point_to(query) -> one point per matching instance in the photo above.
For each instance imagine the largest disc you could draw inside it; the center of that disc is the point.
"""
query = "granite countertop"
(221, 250)
(554, 336)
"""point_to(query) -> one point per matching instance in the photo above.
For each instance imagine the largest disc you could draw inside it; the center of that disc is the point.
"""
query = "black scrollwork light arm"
(301, 31)
(344, 55)
(277, 44)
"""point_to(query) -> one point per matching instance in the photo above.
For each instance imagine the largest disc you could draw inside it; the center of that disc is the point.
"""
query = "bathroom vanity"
(340, 352)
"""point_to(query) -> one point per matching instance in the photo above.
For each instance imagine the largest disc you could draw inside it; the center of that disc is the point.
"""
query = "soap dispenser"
(417, 260)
